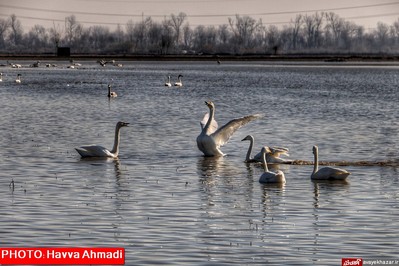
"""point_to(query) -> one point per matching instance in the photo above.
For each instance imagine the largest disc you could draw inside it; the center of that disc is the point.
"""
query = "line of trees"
(323, 32)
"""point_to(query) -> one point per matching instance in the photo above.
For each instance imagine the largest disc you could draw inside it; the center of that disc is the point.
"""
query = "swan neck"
(109, 91)
(251, 144)
(211, 115)
(264, 162)
(316, 162)
(115, 149)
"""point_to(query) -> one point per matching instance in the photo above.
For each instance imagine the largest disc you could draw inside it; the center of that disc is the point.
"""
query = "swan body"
(212, 138)
(167, 83)
(179, 83)
(99, 151)
(268, 176)
(18, 79)
(1, 77)
(111, 94)
(326, 173)
(272, 155)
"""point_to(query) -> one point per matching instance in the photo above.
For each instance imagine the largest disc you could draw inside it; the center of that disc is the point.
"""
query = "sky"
(110, 13)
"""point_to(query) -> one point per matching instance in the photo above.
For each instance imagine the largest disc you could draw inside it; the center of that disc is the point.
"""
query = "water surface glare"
(166, 203)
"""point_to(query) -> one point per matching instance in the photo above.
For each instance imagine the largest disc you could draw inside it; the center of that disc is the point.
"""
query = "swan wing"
(331, 173)
(94, 151)
(223, 134)
(278, 151)
(213, 126)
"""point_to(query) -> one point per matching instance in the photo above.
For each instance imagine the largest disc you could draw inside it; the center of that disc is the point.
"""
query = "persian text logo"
(352, 262)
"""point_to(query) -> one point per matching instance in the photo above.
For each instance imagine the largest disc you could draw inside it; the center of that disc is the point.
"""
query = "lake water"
(167, 204)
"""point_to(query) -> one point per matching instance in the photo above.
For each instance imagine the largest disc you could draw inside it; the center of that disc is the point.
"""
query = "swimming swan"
(211, 138)
(167, 83)
(326, 173)
(99, 151)
(179, 83)
(1, 77)
(18, 79)
(111, 94)
(272, 155)
(268, 176)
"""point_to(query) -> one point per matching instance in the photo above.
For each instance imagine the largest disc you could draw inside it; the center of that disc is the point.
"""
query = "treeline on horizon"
(318, 33)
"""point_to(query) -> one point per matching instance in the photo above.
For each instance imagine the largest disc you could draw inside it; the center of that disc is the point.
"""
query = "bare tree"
(73, 30)
(312, 25)
(38, 38)
(141, 33)
(243, 29)
(295, 28)
(4, 26)
(334, 26)
(381, 33)
(155, 38)
(187, 36)
(273, 38)
(395, 32)
(166, 36)
(177, 22)
(16, 29)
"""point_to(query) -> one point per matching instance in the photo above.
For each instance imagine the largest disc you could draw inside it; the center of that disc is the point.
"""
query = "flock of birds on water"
(212, 138)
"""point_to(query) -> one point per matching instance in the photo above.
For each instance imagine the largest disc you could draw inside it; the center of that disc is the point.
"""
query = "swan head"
(122, 124)
(315, 149)
(180, 76)
(249, 137)
(210, 104)
(109, 86)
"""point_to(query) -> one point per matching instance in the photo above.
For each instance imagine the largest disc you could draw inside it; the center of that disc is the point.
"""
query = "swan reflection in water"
(217, 166)
(104, 163)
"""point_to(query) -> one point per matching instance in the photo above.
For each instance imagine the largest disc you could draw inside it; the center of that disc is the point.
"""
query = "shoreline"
(267, 58)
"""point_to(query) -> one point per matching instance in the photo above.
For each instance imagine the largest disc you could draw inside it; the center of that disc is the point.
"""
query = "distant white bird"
(211, 138)
(99, 151)
(167, 83)
(111, 94)
(326, 173)
(268, 176)
(272, 156)
(179, 83)
(1, 77)
(18, 79)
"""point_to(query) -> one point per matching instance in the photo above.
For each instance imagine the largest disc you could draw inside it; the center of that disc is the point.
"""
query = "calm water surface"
(167, 204)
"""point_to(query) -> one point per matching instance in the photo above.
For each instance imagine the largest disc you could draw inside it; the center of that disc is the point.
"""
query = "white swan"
(167, 83)
(1, 77)
(211, 138)
(272, 156)
(111, 94)
(268, 176)
(179, 83)
(326, 173)
(18, 79)
(99, 151)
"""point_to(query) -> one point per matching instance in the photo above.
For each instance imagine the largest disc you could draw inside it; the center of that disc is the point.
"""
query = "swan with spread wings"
(212, 138)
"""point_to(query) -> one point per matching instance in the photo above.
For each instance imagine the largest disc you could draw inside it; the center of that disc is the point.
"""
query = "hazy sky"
(199, 12)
